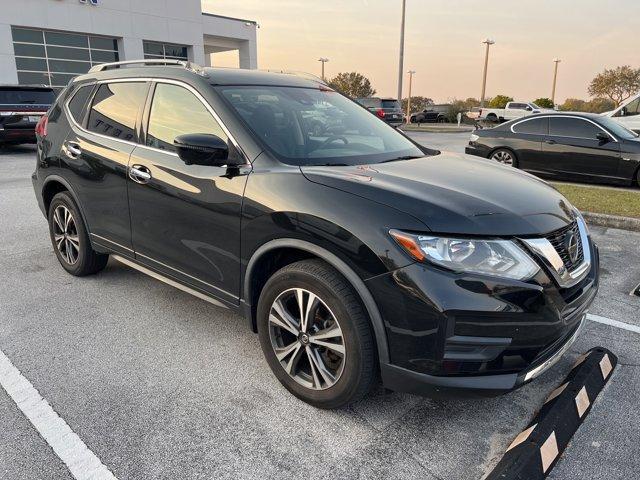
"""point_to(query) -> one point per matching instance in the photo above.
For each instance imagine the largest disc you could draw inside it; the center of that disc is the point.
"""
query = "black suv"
(351, 255)
(21, 108)
(388, 109)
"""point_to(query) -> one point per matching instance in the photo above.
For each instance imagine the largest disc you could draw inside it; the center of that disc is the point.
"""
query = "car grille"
(557, 239)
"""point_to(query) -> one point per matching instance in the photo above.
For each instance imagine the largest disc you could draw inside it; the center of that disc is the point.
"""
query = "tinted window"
(369, 102)
(34, 96)
(536, 126)
(517, 106)
(77, 103)
(176, 111)
(617, 128)
(572, 127)
(349, 134)
(115, 108)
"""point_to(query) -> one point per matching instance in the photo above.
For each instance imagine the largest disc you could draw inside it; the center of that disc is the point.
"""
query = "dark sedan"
(567, 146)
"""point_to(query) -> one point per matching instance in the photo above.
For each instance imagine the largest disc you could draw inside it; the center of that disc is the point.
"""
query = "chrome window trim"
(156, 80)
(548, 254)
(563, 136)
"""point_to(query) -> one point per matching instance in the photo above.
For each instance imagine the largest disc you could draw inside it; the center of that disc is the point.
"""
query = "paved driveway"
(159, 384)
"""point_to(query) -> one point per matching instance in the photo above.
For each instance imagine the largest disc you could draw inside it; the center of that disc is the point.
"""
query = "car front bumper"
(453, 334)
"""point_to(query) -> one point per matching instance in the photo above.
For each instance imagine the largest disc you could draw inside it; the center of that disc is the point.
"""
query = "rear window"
(78, 102)
(391, 104)
(27, 96)
(369, 102)
(115, 109)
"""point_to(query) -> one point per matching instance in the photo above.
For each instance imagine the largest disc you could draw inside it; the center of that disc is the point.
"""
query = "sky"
(443, 42)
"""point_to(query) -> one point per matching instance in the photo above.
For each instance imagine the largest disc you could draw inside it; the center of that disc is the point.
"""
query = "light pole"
(555, 78)
(411, 73)
(488, 42)
(401, 60)
(323, 60)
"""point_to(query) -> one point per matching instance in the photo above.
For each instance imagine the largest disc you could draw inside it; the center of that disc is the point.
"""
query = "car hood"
(455, 194)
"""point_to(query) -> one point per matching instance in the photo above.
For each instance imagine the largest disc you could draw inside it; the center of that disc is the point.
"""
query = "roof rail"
(308, 76)
(194, 67)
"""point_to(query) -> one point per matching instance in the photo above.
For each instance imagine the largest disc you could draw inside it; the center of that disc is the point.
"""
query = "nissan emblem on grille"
(571, 245)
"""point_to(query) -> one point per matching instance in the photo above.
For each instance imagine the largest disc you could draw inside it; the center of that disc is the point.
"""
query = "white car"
(628, 114)
(512, 111)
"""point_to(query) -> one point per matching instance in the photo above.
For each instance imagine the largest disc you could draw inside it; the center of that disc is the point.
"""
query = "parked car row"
(566, 146)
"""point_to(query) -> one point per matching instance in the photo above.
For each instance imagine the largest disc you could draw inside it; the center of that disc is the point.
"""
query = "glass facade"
(53, 58)
(165, 50)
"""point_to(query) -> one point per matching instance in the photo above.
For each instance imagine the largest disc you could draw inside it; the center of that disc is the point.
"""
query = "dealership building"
(51, 41)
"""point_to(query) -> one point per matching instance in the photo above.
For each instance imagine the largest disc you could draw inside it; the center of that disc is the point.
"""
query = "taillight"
(41, 126)
(380, 113)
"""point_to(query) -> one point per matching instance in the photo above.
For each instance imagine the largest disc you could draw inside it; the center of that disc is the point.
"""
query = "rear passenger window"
(176, 111)
(78, 102)
(572, 127)
(115, 109)
(535, 126)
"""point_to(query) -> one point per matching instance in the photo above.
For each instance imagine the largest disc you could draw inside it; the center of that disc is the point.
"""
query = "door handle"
(139, 174)
(550, 142)
(73, 150)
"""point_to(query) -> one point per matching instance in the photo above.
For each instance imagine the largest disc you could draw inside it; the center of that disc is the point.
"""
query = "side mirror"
(603, 138)
(528, 108)
(623, 111)
(202, 149)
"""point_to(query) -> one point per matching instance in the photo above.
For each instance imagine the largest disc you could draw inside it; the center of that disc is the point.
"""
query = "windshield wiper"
(406, 157)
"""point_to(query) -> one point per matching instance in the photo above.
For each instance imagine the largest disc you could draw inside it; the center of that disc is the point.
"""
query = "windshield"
(617, 129)
(305, 126)
(16, 96)
(536, 107)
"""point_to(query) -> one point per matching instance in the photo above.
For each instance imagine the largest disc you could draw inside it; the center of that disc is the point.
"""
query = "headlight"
(499, 258)
(473, 137)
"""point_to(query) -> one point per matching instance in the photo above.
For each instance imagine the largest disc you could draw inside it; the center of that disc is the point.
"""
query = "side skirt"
(168, 281)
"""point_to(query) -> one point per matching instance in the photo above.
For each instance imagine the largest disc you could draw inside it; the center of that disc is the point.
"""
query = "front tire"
(316, 336)
(70, 239)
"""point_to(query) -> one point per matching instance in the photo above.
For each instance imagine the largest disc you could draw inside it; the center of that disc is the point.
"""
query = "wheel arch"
(55, 184)
(301, 249)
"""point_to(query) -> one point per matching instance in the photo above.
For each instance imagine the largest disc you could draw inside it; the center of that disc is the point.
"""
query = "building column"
(248, 55)
(8, 72)
(130, 48)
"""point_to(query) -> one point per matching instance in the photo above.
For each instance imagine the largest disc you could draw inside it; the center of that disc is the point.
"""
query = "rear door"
(528, 135)
(572, 150)
(185, 218)
(96, 153)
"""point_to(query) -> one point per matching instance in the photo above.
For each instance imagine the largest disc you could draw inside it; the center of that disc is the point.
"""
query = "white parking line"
(81, 462)
(614, 323)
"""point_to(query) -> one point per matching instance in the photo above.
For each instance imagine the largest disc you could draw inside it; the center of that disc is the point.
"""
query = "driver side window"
(176, 111)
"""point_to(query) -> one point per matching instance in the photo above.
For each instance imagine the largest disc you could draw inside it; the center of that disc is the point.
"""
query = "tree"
(617, 84)
(597, 105)
(418, 103)
(574, 105)
(352, 84)
(460, 106)
(544, 102)
(601, 105)
(500, 101)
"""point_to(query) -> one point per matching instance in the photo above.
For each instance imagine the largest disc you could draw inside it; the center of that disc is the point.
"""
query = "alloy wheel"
(503, 157)
(65, 234)
(307, 339)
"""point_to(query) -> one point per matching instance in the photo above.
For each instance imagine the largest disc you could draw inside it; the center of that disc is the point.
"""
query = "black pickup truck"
(21, 106)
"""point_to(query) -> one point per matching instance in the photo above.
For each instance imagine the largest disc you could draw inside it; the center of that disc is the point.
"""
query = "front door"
(185, 219)
(573, 150)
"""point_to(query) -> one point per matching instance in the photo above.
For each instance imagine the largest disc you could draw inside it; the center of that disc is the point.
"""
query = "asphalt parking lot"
(159, 384)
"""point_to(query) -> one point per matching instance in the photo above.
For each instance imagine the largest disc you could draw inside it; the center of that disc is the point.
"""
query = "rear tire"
(70, 238)
(505, 157)
(325, 377)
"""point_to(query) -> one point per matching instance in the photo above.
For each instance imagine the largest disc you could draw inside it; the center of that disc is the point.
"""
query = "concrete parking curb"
(438, 128)
(535, 450)
(612, 221)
